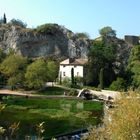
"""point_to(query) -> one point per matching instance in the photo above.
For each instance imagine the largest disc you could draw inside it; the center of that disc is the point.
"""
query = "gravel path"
(28, 95)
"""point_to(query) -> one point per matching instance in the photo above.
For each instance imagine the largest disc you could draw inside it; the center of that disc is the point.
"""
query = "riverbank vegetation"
(121, 122)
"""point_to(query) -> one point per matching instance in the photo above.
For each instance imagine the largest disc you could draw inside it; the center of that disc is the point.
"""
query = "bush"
(82, 35)
(47, 29)
(18, 22)
(118, 85)
(66, 82)
(79, 80)
(121, 122)
(73, 92)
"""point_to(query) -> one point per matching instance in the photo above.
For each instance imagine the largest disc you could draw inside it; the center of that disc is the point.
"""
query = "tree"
(36, 74)
(101, 56)
(52, 70)
(2, 57)
(72, 77)
(134, 65)
(18, 22)
(101, 76)
(4, 19)
(107, 32)
(13, 67)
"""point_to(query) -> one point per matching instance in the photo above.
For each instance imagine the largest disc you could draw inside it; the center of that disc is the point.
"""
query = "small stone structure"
(133, 40)
(103, 95)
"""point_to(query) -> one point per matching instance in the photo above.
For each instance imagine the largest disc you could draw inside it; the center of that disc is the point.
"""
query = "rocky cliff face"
(58, 42)
(30, 43)
(123, 49)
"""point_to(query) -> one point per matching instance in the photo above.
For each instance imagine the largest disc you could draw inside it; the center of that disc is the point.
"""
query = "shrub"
(18, 22)
(73, 92)
(121, 122)
(66, 82)
(79, 80)
(47, 29)
(118, 85)
(82, 35)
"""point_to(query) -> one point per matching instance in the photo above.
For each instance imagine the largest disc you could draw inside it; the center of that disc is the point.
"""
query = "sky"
(77, 15)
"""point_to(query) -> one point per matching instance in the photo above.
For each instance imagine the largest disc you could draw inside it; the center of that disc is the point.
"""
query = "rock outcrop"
(30, 43)
(123, 49)
(58, 42)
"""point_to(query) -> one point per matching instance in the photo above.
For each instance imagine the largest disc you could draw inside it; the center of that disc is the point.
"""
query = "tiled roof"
(74, 62)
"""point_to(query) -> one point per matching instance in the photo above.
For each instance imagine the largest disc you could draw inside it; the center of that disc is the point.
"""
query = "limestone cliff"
(59, 42)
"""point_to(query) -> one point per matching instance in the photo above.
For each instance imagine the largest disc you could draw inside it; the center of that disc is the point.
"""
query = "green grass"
(59, 115)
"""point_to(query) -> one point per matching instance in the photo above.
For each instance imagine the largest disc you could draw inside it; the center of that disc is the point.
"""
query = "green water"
(60, 115)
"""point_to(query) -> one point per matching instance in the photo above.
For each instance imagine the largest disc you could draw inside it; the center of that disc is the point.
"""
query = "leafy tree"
(13, 67)
(18, 22)
(52, 70)
(134, 65)
(36, 74)
(2, 57)
(101, 56)
(107, 32)
(118, 85)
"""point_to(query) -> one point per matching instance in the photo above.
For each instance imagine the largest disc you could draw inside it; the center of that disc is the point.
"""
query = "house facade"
(78, 65)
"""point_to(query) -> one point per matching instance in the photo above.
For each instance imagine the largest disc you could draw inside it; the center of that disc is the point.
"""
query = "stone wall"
(133, 40)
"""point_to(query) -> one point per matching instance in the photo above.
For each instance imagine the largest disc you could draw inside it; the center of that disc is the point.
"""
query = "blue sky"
(77, 15)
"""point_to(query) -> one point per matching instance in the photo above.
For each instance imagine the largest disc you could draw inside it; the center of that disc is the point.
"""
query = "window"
(63, 65)
(74, 66)
(64, 74)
